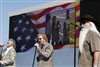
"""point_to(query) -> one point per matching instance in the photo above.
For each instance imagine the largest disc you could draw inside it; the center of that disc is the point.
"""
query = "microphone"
(37, 43)
(76, 25)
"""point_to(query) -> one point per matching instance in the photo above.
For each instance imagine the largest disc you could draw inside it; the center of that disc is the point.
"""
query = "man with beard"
(45, 52)
(89, 42)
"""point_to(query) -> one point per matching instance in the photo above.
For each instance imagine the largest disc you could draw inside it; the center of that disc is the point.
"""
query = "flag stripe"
(41, 25)
(78, 7)
(37, 16)
(40, 20)
(66, 5)
(77, 18)
(77, 32)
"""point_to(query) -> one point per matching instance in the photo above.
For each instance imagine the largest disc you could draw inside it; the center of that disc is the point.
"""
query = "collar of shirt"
(8, 49)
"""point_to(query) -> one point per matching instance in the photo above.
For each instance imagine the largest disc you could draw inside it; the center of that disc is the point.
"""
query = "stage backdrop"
(57, 23)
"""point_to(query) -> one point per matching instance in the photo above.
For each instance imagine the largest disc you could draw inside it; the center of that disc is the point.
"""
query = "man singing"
(8, 57)
(45, 56)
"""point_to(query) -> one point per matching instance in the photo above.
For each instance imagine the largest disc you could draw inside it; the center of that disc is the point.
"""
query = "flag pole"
(34, 57)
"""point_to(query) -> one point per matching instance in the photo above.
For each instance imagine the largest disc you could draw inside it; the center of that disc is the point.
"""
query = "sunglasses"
(7, 42)
(39, 38)
(83, 22)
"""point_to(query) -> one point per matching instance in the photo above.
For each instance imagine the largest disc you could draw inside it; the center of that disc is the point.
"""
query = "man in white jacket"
(8, 57)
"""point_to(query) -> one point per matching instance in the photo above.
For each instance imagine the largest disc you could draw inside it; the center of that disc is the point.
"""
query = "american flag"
(25, 27)
(24, 32)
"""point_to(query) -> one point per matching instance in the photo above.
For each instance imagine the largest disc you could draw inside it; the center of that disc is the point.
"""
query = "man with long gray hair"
(8, 57)
(89, 42)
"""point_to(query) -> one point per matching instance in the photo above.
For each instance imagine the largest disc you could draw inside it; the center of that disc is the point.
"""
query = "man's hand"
(37, 45)
(0, 62)
(1, 45)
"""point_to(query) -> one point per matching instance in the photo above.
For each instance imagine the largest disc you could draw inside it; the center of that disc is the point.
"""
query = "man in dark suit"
(45, 56)
(8, 57)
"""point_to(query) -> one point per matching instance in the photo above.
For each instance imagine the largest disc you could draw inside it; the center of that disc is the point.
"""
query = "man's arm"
(47, 52)
(1, 46)
(96, 58)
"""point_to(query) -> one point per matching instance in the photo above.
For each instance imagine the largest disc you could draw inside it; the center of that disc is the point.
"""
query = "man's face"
(85, 24)
(40, 39)
(9, 44)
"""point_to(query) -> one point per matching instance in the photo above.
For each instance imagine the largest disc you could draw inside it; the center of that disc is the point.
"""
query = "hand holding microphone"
(36, 45)
(1, 45)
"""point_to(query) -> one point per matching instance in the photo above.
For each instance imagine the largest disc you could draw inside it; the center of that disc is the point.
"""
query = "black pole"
(67, 14)
(75, 42)
(34, 57)
(75, 50)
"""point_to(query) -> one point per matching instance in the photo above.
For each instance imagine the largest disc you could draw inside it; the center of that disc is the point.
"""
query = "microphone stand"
(75, 25)
(75, 49)
(34, 57)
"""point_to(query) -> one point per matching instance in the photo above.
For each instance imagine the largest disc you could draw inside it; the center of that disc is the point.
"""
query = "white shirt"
(8, 49)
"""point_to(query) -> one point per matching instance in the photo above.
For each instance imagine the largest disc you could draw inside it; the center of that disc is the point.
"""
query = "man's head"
(54, 18)
(42, 39)
(88, 18)
(89, 22)
(48, 17)
(11, 42)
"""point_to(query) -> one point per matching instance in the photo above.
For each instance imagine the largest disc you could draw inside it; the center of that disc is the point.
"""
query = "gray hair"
(93, 27)
(13, 42)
